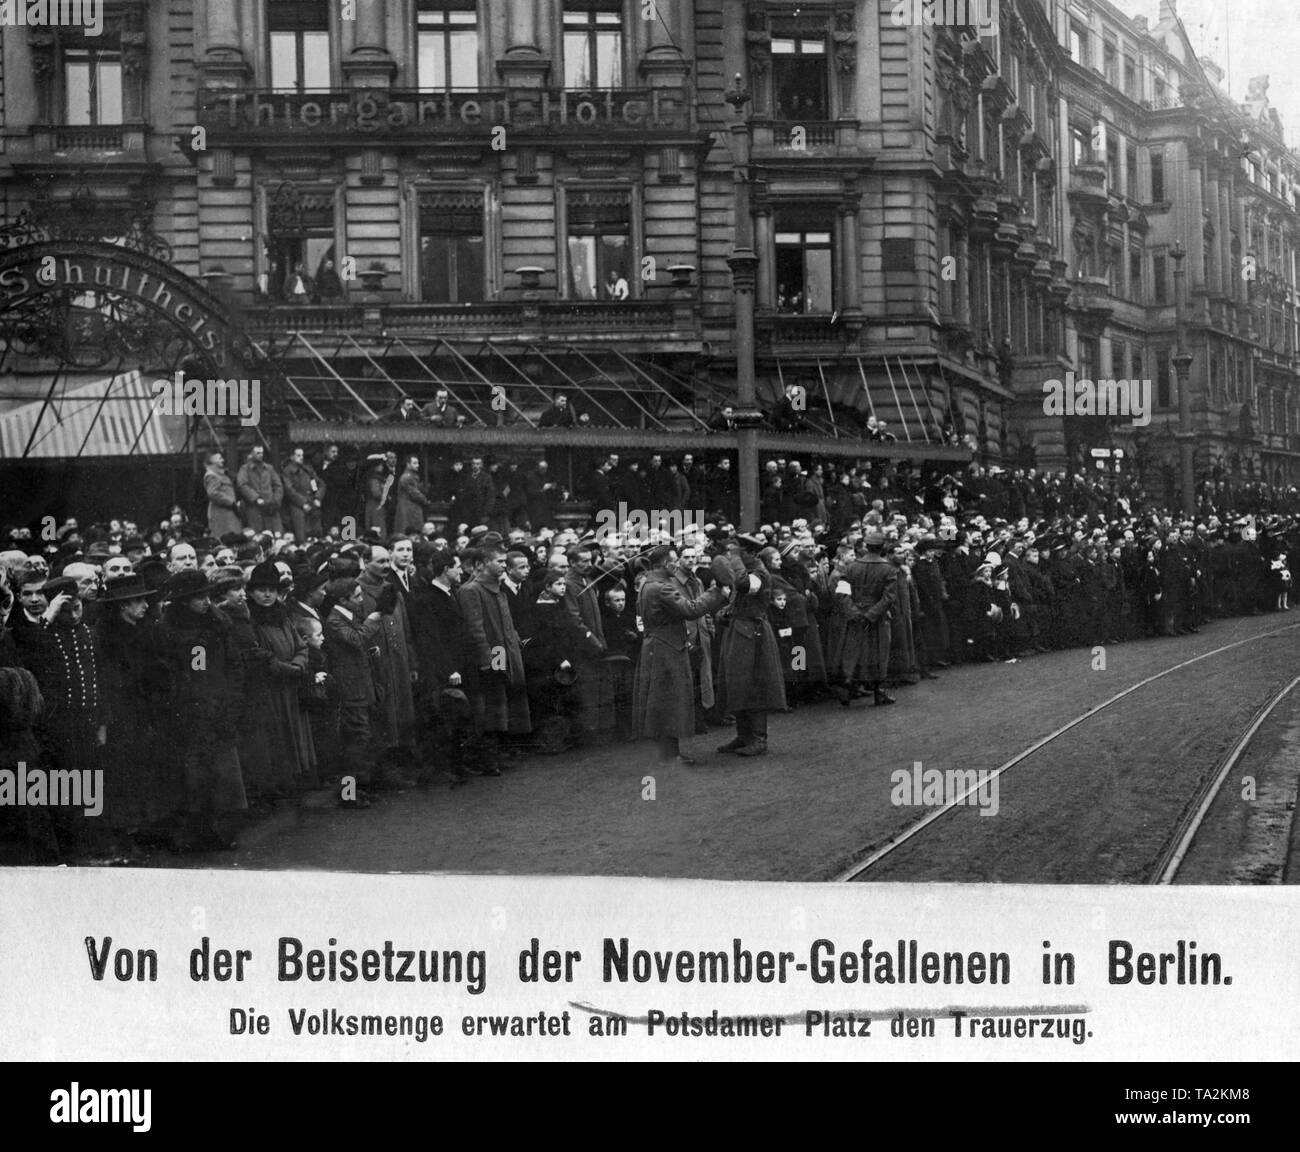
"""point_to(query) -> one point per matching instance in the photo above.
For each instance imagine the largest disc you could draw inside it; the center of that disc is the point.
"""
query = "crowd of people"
(346, 639)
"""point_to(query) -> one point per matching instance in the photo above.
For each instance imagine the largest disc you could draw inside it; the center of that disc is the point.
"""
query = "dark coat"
(438, 629)
(134, 679)
(495, 663)
(397, 660)
(870, 604)
(664, 689)
(263, 774)
(349, 639)
(205, 705)
(749, 663)
(285, 670)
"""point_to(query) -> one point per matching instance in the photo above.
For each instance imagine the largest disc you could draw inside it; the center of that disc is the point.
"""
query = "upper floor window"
(299, 245)
(804, 261)
(1080, 145)
(599, 243)
(92, 85)
(1079, 47)
(300, 45)
(1110, 63)
(799, 78)
(593, 43)
(452, 263)
(447, 45)
(1157, 177)
(1130, 78)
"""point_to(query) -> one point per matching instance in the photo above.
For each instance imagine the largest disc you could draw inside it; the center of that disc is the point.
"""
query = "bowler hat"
(127, 587)
(750, 541)
(186, 586)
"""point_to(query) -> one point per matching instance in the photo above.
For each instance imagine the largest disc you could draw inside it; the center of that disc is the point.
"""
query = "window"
(799, 79)
(1131, 170)
(1080, 145)
(1135, 273)
(300, 45)
(1161, 92)
(593, 44)
(1115, 268)
(1160, 279)
(1112, 162)
(452, 264)
(804, 263)
(92, 79)
(301, 267)
(1079, 45)
(1130, 78)
(1110, 63)
(1118, 354)
(1164, 392)
(447, 45)
(599, 243)
(1157, 177)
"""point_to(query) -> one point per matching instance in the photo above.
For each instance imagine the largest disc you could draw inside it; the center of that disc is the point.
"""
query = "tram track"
(1189, 822)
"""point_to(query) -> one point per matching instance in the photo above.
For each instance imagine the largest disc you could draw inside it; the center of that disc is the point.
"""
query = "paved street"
(1096, 806)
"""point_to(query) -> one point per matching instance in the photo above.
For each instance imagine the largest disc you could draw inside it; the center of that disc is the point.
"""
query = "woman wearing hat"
(203, 708)
(560, 645)
(140, 789)
(281, 659)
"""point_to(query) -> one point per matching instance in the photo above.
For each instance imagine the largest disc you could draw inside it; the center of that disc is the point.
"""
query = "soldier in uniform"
(749, 665)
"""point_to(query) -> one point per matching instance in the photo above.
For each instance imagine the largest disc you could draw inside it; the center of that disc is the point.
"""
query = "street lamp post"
(744, 273)
(1182, 360)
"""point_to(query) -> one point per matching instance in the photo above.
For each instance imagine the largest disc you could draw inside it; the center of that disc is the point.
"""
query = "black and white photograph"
(818, 441)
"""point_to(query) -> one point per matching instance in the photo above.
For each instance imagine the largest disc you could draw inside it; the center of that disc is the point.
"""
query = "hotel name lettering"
(385, 111)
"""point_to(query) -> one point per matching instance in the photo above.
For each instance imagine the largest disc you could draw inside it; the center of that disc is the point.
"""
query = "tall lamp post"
(744, 273)
(1182, 365)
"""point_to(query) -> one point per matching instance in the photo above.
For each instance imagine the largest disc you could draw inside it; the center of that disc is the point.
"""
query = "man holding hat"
(750, 682)
(663, 690)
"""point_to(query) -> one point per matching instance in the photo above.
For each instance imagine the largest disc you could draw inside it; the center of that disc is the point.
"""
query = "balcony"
(351, 115)
(1088, 184)
(115, 150)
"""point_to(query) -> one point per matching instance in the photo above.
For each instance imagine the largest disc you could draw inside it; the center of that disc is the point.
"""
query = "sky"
(1247, 38)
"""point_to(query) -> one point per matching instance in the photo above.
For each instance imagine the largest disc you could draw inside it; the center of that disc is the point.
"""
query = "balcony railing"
(604, 114)
(797, 328)
(577, 317)
(815, 133)
(88, 138)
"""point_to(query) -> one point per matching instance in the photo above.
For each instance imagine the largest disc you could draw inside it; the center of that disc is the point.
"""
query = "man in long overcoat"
(664, 689)
(262, 492)
(873, 591)
(750, 682)
(494, 669)
(397, 663)
(222, 497)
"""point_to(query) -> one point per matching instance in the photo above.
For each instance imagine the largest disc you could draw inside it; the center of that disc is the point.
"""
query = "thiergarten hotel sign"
(388, 112)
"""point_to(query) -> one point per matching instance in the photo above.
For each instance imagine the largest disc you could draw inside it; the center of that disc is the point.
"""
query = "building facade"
(505, 198)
